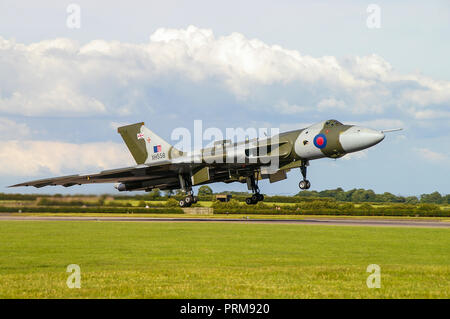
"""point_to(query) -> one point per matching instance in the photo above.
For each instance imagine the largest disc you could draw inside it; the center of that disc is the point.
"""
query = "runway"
(318, 221)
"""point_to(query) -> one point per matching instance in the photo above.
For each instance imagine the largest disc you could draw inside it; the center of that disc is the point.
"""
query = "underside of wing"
(151, 174)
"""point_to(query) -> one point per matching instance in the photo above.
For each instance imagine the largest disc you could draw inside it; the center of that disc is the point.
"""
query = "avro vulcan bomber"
(162, 166)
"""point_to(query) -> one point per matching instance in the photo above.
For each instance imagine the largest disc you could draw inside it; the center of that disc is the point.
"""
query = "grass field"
(218, 260)
(232, 216)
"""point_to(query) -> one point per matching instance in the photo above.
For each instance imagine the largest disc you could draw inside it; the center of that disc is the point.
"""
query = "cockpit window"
(333, 123)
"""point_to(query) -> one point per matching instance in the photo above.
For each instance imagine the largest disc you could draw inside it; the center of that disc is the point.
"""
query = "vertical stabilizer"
(146, 146)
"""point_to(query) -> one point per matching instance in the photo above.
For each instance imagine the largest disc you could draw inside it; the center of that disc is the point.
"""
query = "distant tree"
(205, 190)
(411, 200)
(388, 198)
(370, 195)
(333, 193)
(362, 195)
(342, 197)
(446, 199)
(434, 198)
(168, 193)
(308, 194)
(154, 193)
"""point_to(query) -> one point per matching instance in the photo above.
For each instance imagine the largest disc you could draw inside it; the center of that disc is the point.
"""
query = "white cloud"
(431, 114)
(61, 77)
(331, 103)
(59, 100)
(372, 67)
(431, 156)
(34, 158)
(285, 108)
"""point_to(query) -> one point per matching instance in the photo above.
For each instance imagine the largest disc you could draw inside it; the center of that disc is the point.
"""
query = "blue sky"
(279, 64)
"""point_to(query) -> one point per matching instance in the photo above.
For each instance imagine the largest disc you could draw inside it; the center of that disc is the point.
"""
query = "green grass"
(218, 260)
(229, 216)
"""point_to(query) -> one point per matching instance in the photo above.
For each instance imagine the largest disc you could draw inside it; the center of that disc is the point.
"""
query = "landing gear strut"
(187, 189)
(304, 184)
(256, 197)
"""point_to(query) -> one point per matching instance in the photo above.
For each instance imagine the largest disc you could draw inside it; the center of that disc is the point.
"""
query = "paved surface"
(321, 221)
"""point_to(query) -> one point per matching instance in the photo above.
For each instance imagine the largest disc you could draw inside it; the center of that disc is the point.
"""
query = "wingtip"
(16, 185)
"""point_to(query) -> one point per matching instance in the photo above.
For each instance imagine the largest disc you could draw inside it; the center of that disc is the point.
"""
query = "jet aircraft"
(162, 166)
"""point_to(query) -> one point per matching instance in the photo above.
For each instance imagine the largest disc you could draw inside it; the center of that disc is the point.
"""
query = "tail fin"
(146, 146)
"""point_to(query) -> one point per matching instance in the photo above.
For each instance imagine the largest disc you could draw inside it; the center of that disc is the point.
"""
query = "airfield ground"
(220, 260)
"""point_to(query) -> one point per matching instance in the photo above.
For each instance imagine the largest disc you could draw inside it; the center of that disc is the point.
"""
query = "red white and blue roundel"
(320, 141)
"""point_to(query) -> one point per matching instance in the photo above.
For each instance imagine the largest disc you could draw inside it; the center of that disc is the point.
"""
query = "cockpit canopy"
(333, 123)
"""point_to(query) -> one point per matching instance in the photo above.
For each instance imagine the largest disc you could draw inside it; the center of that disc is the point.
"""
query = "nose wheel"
(304, 184)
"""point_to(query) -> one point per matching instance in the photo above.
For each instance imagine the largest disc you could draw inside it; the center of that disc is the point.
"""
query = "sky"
(66, 84)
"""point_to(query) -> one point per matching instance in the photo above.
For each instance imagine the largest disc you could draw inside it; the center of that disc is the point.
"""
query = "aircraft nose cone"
(358, 138)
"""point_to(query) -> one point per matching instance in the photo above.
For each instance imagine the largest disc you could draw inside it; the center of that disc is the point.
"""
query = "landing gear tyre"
(255, 198)
(182, 203)
(188, 200)
(260, 197)
(249, 201)
(304, 184)
(195, 200)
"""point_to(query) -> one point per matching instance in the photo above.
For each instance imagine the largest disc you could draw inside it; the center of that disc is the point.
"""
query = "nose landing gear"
(304, 184)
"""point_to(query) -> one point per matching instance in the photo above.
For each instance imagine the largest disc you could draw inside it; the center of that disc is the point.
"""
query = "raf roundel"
(320, 141)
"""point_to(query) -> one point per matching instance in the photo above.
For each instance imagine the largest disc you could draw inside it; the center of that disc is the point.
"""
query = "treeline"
(205, 194)
(5, 196)
(332, 208)
(363, 195)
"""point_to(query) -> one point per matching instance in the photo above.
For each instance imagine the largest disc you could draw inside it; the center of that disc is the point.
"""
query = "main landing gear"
(188, 200)
(304, 184)
(187, 189)
(256, 197)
